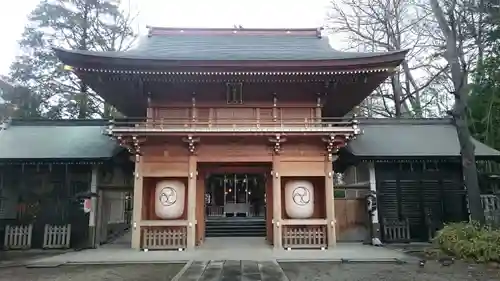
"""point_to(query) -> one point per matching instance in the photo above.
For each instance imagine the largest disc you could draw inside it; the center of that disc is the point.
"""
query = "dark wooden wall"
(419, 190)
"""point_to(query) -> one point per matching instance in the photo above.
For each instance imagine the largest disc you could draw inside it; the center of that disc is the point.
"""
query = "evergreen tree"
(484, 103)
(18, 102)
(94, 25)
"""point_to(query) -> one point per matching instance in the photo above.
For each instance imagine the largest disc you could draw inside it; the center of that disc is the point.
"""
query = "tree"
(18, 102)
(484, 102)
(385, 26)
(455, 23)
(99, 25)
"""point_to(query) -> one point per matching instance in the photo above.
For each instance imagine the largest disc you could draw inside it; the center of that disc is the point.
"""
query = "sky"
(180, 13)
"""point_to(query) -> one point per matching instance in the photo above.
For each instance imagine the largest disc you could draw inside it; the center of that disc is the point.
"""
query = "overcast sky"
(181, 13)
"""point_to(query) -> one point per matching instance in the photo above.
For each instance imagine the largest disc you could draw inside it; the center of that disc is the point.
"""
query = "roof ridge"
(159, 31)
(57, 122)
(405, 120)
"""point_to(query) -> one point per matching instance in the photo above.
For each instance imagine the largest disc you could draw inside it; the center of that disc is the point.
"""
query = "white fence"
(18, 236)
(491, 207)
(56, 236)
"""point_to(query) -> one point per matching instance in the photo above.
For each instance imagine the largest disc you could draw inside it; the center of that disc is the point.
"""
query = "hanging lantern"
(169, 199)
(299, 199)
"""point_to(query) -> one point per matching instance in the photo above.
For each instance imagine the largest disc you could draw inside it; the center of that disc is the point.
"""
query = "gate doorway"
(235, 205)
(235, 195)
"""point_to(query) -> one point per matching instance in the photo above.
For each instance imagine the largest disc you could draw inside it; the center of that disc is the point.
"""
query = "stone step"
(235, 228)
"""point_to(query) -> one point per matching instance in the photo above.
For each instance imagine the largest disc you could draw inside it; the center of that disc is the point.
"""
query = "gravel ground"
(146, 272)
(433, 271)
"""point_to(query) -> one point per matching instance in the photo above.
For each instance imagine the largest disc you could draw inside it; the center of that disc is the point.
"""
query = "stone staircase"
(235, 227)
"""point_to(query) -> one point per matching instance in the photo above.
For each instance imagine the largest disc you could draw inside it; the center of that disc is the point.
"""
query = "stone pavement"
(231, 270)
(225, 249)
(235, 270)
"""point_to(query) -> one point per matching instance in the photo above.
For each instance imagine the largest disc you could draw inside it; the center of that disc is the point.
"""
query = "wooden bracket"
(333, 143)
(191, 142)
(277, 140)
(132, 144)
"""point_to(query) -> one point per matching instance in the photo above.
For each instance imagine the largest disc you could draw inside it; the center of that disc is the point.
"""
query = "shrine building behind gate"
(233, 125)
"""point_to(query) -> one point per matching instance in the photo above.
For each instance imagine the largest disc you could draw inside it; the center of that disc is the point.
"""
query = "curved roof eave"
(90, 59)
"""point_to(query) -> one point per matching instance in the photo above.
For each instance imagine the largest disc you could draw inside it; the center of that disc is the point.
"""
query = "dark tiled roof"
(62, 140)
(234, 44)
(411, 138)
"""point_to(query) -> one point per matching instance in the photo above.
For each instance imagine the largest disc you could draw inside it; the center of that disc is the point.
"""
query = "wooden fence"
(490, 202)
(164, 238)
(215, 211)
(491, 207)
(396, 230)
(18, 237)
(304, 236)
(56, 236)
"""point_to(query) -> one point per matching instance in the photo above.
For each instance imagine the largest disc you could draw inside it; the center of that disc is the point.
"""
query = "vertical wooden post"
(191, 211)
(375, 229)
(94, 207)
(277, 217)
(330, 204)
(99, 222)
(137, 208)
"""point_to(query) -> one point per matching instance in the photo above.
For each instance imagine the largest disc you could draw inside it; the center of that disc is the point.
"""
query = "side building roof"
(62, 140)
(410, 138)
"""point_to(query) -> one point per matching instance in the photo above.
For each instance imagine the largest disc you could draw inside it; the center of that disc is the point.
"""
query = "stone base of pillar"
(136, 239)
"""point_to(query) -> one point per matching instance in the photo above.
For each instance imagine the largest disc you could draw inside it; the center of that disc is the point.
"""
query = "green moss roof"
(396, 138)
(55, 140)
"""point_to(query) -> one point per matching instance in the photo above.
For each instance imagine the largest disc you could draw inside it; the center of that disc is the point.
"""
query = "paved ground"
(224, 249)
(10, 258)
(432, 271)
(158, 272)
(255, 271)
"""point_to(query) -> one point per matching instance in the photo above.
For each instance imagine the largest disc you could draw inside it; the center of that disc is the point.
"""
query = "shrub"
(469, 241)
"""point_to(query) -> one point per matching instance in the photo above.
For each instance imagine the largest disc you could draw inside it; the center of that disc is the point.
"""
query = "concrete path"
(231, 270)
(226, 249)
(122, 242)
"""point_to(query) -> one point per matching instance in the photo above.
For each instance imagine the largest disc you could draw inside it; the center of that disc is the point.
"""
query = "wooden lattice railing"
(18, 237)
(164, 238)
(490, 202)
(234, 125)
(307, 236)
(396, 230)
(56, 236)
(215, 211)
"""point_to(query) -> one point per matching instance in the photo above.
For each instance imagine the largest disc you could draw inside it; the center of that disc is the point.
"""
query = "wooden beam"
(164, 223)
(304, 222)
(330, 205)
(138, 204)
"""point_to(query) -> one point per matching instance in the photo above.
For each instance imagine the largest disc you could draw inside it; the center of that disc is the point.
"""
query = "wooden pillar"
(137, 208)
(191, 211)
(94, 207)
(277, 217)
(330, 204)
